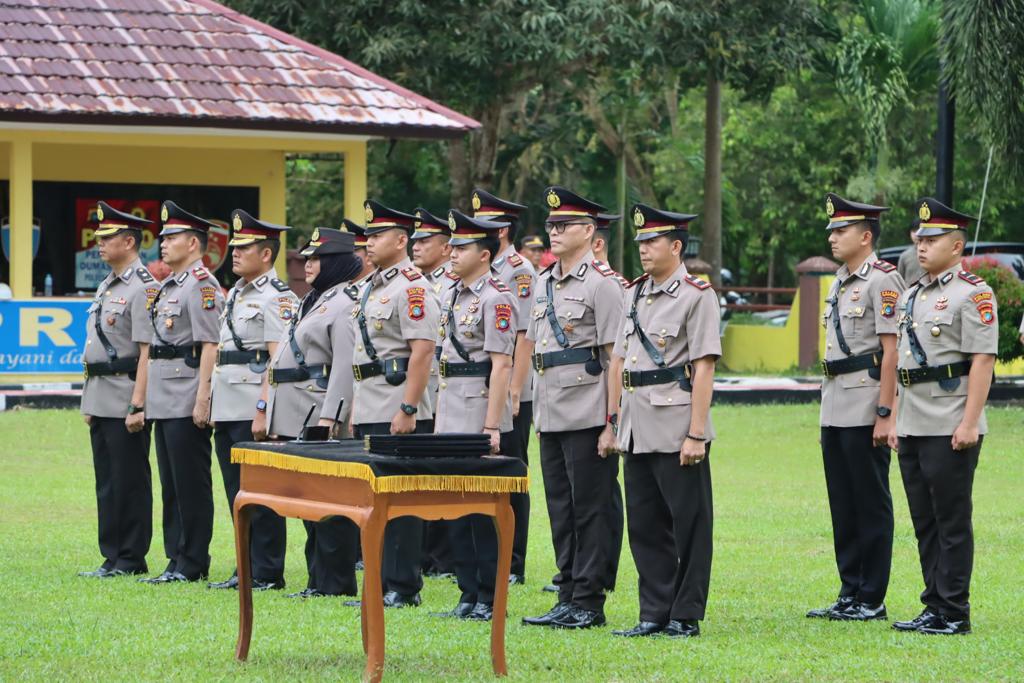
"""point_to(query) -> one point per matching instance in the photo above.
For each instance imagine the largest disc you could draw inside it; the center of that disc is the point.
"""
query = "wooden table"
(316, 496)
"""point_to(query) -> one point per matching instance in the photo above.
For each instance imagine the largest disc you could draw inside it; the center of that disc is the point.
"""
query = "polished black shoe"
(915, 623)
(550, 588)
(939, 625)
(839, 605)
(274, 585)
(860, 611)
(681, 628)
(516, 580)
(397, 600)
(231, 583)
(559, 610)
(126, 572)
(101, 573)
(461, 611)
(644, 628)
(578, 617)
(166, 577)
(481, 612)
(306, 593)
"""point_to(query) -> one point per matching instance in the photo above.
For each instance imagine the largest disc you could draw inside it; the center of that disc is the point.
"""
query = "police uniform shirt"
(260, 314)
(441, 279)
(188, 309)
(680, 317)
(324, 336)
(955, 316)
(866, 307)
(121, 307)
(519, 276)
(588, 306)
(399, 309)
(483, 316)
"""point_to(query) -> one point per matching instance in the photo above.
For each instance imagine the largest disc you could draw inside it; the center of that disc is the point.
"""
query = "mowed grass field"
(773, 560)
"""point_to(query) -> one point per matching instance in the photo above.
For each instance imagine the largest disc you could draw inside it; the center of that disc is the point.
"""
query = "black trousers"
(183, 458)
(578, 487)
(331, 555)
(516, 444)
(475, 544)
(124, 493)
(438, 557)
(939, 483)
(268, 538)
(670, 515)
(857, 479)
(617, 520)
(403, 537)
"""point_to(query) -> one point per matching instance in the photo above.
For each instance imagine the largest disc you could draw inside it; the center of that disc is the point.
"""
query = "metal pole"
(981, 209)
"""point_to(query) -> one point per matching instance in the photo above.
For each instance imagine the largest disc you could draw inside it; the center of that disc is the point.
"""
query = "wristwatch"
(408, 409)
(261, 406)
(883, 411)
(133, 409)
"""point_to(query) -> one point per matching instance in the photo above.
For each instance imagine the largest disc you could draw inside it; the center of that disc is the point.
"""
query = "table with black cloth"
(318, 480)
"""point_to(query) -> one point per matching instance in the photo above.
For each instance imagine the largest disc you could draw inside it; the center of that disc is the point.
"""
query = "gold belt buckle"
(626, 383)
(538, 362)
(825, 370)
(442, 367)
(85, 370)
(270, 377)
(357, 373)
(905, 377)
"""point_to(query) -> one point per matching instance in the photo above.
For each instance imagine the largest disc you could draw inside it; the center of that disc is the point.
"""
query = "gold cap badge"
(316, 235)
(924, 212)
(369, 213)
(99, 213)
(236, 222)
(553, 201)
(830, 209)
(476, 202)
(451, 220)
(638, 218)
(164, 215)
(417, 223)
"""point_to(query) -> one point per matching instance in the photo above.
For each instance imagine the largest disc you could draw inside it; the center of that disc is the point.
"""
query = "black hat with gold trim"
(429, 225)
(176, 219)
(111, 221)
(492, 208)
(357, 230)
(565, 205)
(328, 241)
(380, 218)
(532, 242)
(466, 230)
(605, 220)
(247, 230)
(842, 212)
(939, 219)
(650, 222)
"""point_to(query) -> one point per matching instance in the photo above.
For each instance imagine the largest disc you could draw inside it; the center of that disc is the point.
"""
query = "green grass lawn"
(773, 561)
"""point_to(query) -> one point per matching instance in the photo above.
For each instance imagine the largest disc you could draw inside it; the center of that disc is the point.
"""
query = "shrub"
(1009, 293)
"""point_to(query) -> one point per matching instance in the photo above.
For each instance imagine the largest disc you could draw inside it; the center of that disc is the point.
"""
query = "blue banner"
(43, 336)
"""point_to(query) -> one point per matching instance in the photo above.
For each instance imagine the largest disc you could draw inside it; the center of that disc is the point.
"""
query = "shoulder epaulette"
(621, 280)
(200, 273)
(515, 260)
(603, 268)
(352, 291)
(279, 285)
(548, 269)
(637, 280)
(411, 274)
(697, 282)
(451, 276)
(969, 277)
(144, 275)
(498, 285)
(884, 266)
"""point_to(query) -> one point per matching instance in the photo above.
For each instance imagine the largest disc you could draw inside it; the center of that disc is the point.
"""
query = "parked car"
(1009, 254)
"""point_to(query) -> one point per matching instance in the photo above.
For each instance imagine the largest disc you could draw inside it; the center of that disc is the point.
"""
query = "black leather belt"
(170, 352)
(241, 357)
(833, 368)
(289, 375)
(643, 378)
(120, 366)
(480, 369)
(553, 359)
(381, 367)
(933, 373)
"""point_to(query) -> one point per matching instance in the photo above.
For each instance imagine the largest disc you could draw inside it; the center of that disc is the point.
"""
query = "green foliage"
(1009, 293)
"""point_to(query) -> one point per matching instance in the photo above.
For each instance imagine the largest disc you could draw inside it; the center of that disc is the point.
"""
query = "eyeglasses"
(560, 228)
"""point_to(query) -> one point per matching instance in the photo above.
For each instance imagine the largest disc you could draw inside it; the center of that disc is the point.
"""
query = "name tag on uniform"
(577, 299)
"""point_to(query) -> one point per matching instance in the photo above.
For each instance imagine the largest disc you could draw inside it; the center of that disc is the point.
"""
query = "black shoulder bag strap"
(915, 344)
(371, 351)
(300, 357)
(454, 337)
(230, 310)
(651, 350)
(97, 321)
(836, 319)
(152, 312)
(553, 318)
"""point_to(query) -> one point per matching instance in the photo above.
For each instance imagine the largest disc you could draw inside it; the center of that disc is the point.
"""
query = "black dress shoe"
(231, 583)
(128, 572)
(644, 628)
(860, 611)
(915, 623)
(516, 580)
(682, 628)
(461, 611)
(559, 610)
(162, 578)
(353, 603)
(306, 593)
(578, 617)
(550, 588)
(101, 573)
(481, 612)
(839, 605)
(273, 585)
(397, 600)
(939, 625)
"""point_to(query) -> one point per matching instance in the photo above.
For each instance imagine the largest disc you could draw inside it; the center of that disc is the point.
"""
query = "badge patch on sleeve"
(503, 317)
(987, 312)
(284, 308)
(523, 285)
(151, 293)
(209, 295)
(889, 299)
(981, 296)
(417, 299)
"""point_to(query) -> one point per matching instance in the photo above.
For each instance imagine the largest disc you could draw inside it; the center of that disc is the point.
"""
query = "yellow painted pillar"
(273, 208)
(21, 218)
(355, 182)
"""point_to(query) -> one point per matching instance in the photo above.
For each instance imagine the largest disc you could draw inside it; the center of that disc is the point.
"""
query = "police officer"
(311, 375)
(663, 366)
(858, 393)
(478, 338)
(185, 315)
(113, 398)
(532, 248)
(519, 275)
(359, 249)
(947, 346)
(395, 327)
(257, 310)
(574, 318)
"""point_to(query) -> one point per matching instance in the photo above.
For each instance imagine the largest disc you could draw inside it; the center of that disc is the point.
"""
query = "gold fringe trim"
(394, 484)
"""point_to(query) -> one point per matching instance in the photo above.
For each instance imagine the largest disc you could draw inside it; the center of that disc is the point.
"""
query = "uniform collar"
(477, 285)
(259, 283)
(438, 272)
(129, 272)
(503, 256)
(579, 272)
(943, 279)
(671, 284)
(863, 272)
(380, 277)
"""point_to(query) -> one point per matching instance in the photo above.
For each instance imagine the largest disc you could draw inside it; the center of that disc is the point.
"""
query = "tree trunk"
(458, 172)
(711, 244)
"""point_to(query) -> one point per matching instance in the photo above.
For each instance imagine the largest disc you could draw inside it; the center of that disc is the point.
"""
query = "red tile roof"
(192, 62)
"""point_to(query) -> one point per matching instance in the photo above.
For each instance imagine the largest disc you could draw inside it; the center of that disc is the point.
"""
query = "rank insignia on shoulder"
(279, 285)
(637, 280)
(451, 276)
(411, 274)
(352, 292)
(503, 317)
(884, 266)
(144, 275)
(499, 285)
(523, 282)
(603, 268)
(515, 260)
(200, 273)
(697, 282)
(209, 295)
(971, 278)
